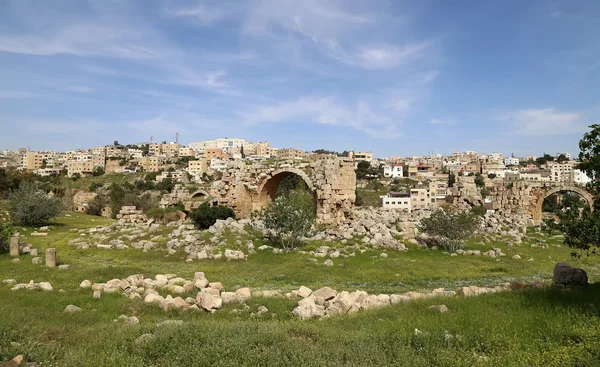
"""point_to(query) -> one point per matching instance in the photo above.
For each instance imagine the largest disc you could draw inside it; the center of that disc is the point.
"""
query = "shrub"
(479, 181)
(206, 215)
(5, 233)
(96, 205)
(453, 227)
(288, 218)
(30, 206)
(478, 210)
(94, 186)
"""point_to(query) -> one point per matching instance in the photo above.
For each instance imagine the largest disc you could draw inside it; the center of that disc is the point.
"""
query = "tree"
(451, 180)
(44, 164)
(98, 171)
(451, 226)
(479, 181)
(362, 170)
(30, 206)
(492, 175)
(582, 227)
(289, 218)
(206, 215)
(562, 158)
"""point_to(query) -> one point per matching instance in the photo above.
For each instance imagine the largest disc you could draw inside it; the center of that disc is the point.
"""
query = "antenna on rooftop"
(151, 138)
(176, 138)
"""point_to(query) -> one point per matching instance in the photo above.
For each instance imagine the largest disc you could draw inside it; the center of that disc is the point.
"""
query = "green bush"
(5, 233)
(478, 210)
(95, 185)
(30, 206)
(206, 215)
(288, 218)
(453, 227)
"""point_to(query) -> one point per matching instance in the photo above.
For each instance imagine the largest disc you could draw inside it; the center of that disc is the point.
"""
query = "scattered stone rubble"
(129, 214)
(326, 302)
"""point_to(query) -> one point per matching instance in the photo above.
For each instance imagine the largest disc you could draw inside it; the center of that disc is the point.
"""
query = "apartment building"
(561, 172)
(363, 156)
(511, 161)
(186, 152)
(439, 190)
(210, 153)
(290, 153)
(396, 200)
(152, 163)
(197, 167)
(421, 198)
(81, 167)
(394, 170)
(579, 177)
(170, 149)
(31, 160)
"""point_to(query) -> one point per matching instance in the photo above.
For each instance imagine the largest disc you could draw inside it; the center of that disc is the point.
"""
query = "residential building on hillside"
(395, 170)
(396, 200)
(210, 153)
(363, 156)
(561, 172)
(152, 163)
(421, 198)
(31, 160)
(511, 161)
(198, 167)
(290, 153)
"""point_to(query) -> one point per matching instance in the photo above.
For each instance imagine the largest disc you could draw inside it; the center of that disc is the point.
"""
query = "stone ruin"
(129, 214)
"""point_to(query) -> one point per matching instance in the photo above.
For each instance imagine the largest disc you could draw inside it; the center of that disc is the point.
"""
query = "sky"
(389, 77)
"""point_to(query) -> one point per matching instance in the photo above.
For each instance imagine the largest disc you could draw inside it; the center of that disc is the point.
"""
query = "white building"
(393, 171)
(217, 164)
(561, 172)
(511, 161)
(496, 156)
(226, 144)
(395, 200)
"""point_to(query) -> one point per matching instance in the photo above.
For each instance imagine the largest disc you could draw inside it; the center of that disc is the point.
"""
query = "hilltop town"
(427, 180)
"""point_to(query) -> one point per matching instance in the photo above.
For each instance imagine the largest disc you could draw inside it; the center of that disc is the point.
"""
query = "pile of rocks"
(210, 295)
(506, 223)
(129, 214)
(495, 252)
(326, 302)
(44, 286)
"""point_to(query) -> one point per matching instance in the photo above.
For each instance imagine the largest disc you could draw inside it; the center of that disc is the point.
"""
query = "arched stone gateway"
(541, 195)
(250, 187)
(267, 191)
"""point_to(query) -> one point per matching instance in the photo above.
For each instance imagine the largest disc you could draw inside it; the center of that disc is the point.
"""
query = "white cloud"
(325, 111)
(437, 121)
(546, 121)
(99, 70)
(81, 89)
(204, 14)
(15, 94)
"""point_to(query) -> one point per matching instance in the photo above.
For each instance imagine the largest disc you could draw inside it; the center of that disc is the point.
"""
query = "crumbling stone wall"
(247, 187)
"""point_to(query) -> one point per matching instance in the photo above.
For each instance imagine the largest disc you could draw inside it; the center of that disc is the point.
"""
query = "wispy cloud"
(546, 121)
(81, 89)
(439, 121)
(98, 70)
(204, 14)
(360, 115)
(15, 94)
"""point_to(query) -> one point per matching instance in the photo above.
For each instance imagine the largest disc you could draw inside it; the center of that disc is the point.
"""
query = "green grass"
(535, 327)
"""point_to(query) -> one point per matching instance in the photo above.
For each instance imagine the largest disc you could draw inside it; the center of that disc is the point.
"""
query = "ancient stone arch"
(267, 190)
(541, 195)
(199, 194)
(248, 187)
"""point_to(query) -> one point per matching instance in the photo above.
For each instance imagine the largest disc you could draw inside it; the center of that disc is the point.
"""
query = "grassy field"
(533, 327)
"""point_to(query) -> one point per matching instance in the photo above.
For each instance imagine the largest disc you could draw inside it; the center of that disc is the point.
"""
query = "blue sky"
(391, 77)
